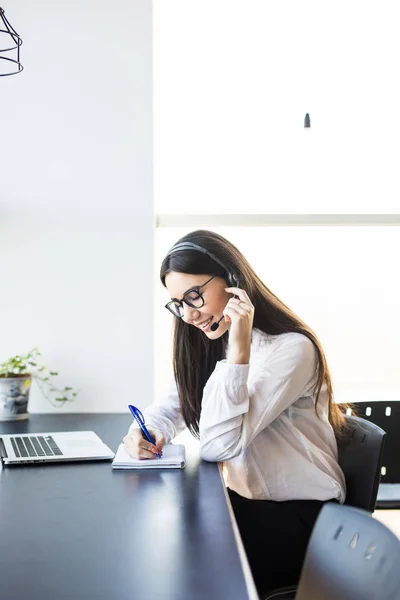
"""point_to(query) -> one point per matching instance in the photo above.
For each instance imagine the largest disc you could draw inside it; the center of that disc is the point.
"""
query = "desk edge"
(251, 588)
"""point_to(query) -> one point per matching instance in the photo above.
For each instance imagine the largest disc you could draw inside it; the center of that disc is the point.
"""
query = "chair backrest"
(360, 457)
(350, 556)
(385, 414)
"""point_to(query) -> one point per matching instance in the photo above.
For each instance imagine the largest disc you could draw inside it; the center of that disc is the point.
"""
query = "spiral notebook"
(173, 457)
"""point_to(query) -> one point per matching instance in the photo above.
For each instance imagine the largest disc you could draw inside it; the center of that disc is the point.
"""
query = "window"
(232, 83)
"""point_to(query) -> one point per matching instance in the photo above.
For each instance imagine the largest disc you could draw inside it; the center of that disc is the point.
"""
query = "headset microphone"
(215, 325)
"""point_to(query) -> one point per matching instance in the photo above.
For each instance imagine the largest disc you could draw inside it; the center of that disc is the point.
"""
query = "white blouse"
(259, 420)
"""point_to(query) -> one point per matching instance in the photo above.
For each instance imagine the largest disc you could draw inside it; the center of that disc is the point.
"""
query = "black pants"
(275, 537)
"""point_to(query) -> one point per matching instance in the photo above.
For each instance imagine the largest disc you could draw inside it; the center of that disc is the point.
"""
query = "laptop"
(32, 448)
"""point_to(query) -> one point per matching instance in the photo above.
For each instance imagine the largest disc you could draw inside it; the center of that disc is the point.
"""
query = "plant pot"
(14, 397)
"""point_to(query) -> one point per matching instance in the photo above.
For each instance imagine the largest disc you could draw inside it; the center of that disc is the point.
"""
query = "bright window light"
(338, 280)
(233, 81)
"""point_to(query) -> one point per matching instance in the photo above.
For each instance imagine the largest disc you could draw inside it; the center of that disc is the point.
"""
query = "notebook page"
(173, 458)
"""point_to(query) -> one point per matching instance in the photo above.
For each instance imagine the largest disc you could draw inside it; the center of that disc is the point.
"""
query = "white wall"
(76, 213)
(229, 109)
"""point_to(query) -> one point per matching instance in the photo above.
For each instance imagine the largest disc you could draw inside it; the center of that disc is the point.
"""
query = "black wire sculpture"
(11, 63)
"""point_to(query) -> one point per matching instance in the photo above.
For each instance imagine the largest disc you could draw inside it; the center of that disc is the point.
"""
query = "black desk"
(83, 531)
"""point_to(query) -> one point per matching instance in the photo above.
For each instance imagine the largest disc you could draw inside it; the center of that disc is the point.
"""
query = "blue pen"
(140, 421)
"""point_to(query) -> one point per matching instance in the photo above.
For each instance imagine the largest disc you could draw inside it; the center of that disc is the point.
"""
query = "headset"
(231, 279)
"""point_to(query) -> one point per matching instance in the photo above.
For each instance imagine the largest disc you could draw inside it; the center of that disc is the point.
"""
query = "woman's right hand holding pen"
(138, 447)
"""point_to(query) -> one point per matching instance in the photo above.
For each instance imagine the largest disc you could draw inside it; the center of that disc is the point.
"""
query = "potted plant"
(16, 375)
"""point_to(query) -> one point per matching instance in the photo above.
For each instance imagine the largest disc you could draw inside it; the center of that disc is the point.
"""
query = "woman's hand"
(240, 313)
(138, 447)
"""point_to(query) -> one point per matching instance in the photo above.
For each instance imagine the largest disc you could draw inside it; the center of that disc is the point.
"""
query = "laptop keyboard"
(35, 446)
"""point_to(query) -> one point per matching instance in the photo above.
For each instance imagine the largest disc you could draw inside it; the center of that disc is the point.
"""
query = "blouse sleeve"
(233, 413)
(165, 414)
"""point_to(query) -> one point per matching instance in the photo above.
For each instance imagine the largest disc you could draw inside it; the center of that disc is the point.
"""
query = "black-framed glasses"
(192, 298)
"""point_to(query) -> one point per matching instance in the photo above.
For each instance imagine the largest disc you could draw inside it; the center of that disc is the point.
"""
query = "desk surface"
(82, 530)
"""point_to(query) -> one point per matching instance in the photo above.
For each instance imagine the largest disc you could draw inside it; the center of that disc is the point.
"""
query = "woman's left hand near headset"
(240, 313)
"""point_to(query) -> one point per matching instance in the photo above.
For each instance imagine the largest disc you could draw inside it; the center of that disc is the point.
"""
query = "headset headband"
(190, 246)
(231, 279)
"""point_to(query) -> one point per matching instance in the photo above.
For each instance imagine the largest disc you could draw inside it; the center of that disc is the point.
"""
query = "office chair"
(386, 414)
(351, 556)
(360, 452)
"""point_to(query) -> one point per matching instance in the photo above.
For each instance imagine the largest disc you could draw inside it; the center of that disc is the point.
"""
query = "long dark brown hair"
(195, 356)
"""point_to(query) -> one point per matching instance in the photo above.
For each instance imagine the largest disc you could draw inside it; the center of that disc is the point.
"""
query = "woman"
(252, 383)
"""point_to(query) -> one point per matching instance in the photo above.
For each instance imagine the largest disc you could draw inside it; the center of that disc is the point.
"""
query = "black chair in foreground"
(351, 556)
(360, 452)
